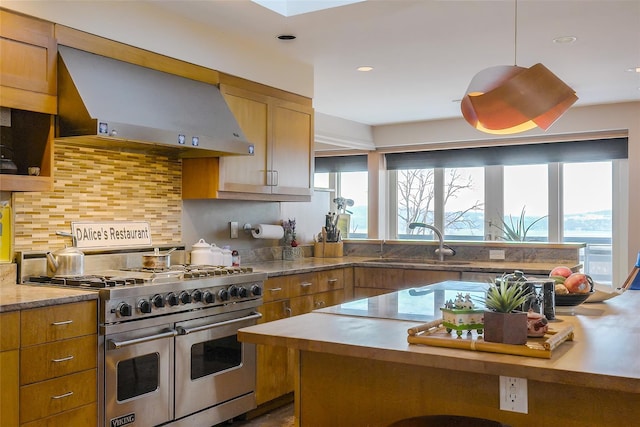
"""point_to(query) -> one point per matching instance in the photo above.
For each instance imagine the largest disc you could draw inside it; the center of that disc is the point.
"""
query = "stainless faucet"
(440, 251)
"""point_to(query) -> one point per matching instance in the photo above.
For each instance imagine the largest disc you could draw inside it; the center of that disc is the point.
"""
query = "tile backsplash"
(100, 185)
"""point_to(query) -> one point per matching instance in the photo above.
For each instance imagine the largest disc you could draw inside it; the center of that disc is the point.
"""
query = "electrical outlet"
(233, 229)
(513, 394)
(496, 254)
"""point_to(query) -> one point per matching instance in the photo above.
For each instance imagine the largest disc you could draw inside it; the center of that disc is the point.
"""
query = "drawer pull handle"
(320, 304)
(275, 289)
(306, 284)
(287, 311)
(332, 281)
(64, 359)
(62, 395)
(65, 322)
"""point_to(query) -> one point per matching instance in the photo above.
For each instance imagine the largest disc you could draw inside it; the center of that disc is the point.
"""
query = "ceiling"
(425, 52)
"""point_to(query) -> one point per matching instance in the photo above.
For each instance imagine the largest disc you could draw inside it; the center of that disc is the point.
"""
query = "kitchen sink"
(417, 261)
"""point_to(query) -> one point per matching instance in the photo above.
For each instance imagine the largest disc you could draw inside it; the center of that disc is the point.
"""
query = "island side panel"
(349, 391)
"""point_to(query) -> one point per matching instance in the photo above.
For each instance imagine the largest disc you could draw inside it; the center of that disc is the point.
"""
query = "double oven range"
(168, 349)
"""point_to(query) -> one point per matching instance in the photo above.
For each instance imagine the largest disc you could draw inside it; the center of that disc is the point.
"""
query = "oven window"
(138, 376)
(214, 356)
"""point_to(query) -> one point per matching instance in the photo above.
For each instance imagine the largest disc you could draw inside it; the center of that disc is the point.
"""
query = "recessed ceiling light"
(634, 70)
(565, 39)
(365, 68)
(286, 37)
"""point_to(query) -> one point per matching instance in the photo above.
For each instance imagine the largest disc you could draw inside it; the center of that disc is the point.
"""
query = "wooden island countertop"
(355, 358)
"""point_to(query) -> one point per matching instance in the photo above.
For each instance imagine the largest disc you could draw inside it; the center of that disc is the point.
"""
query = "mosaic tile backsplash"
(101, 185)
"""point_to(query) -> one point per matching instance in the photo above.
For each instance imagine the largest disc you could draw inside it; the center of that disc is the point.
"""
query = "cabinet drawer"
(45, 361)
(327, 299)
(275, 289)
(330, 280)
(9, 330)
(84, 416)
(303, 284)
(52, 397)
(58, 322)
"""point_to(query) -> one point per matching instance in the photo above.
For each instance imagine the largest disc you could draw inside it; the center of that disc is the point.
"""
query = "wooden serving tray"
(435, 334)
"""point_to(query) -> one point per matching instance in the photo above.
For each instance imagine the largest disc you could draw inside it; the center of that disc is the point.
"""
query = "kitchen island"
(355, 367)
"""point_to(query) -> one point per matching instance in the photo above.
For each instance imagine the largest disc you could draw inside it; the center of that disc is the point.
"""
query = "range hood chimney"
(111, 104)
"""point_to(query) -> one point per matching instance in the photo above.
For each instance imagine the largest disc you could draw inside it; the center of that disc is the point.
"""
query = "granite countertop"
(604, 350)
(310, 264)
(20, 297)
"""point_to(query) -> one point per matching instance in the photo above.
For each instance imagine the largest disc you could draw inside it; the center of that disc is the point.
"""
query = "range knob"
(172, 299)
(256, 290)
(157, 301)
(196, 295)
(243, 292)
(184, 297)
(233, 290)
(144, 306)
(223, 295)
(208, 297)
(124, 309)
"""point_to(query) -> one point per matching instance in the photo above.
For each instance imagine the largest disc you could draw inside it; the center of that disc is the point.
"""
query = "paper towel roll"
(267, 231)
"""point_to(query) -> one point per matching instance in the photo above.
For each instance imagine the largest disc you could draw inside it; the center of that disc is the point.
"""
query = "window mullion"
(556, 203)
(438, 201)
(493, 200)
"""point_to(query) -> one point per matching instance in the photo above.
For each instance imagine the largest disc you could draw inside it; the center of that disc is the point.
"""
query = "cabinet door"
(273, 374)
(10, 386)
(247, 173)
(292, 167)
(27, 63)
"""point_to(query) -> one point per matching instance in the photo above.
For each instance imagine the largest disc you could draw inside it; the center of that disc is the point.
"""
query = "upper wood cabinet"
(280, 125)
(27, 63)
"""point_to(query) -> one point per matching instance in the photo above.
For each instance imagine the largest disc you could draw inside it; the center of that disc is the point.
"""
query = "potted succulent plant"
(503, 323)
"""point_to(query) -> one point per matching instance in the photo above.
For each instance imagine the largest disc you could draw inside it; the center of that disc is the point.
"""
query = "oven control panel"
(158, 301)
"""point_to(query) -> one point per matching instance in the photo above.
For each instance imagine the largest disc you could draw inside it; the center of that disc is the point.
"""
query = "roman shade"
(570, 151)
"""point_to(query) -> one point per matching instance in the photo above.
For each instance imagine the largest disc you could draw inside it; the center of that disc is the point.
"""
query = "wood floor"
(280, 417)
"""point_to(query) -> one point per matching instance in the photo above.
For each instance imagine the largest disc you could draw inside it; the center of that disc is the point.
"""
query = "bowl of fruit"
(571, 288)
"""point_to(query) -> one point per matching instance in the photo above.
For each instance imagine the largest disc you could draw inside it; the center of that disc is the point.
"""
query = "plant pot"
(505, 328)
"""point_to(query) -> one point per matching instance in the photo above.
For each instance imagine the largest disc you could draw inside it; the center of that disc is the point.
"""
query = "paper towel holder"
(248, 228)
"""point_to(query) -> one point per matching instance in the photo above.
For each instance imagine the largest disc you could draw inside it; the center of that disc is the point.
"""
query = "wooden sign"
(111, 234)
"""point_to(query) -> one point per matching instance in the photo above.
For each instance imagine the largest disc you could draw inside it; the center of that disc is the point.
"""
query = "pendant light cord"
(515, 34)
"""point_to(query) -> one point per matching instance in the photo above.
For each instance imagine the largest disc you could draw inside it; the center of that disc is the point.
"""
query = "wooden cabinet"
(28, 99)
(280, 125)
(28, 53)
(9, 367)
(372, 281)
(287, 296)
(58, 365)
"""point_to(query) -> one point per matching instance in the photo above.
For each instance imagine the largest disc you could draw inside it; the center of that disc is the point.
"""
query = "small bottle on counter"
(235, 258)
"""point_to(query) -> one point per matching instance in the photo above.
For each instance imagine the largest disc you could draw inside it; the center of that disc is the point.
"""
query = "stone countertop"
(604, 350)
(310, 264)
(21, 297)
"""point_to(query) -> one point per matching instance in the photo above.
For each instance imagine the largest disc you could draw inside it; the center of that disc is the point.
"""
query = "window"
(526, 201)
(464, 203)
(347, 178)
(415, 202)
(354, 186)
(588, 214)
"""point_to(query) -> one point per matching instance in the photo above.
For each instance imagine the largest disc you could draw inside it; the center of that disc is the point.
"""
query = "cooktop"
(420, 304)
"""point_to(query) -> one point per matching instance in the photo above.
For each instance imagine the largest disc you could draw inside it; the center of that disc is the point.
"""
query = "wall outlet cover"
(233, 229)
(513, 394)
(496, 254)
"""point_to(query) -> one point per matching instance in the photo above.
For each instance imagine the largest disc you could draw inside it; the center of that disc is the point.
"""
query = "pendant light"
(510, 99)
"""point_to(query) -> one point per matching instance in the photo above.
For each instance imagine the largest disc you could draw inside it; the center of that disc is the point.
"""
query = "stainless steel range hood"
(110, 104)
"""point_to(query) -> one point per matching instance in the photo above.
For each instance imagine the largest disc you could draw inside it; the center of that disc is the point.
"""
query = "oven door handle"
(186, 331)
(120, 344)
